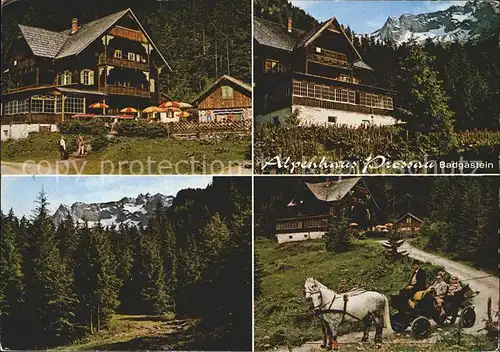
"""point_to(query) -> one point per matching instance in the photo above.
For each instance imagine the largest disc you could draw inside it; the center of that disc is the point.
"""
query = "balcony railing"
(137, 92)
(302, 223)
(128, 33)
(123, 63)
(327, 60)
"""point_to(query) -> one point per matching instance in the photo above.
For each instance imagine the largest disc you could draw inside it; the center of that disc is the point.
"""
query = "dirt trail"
(11, 168)
(486, 284)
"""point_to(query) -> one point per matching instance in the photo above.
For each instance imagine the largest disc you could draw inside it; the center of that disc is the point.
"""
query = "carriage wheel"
(467, 317)
(398, 323)
(420, 328)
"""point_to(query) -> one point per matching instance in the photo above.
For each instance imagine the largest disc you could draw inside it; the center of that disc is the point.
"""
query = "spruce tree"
(423, 101)
(50, 300)
(338, 237)
(96, 281)
(11, 283)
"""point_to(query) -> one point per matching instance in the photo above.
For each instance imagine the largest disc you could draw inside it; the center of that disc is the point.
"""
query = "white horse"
(336, 308)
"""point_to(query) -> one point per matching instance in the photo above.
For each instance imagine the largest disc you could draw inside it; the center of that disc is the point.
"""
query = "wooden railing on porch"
(30, 118)
(128, 91)
(123, 63)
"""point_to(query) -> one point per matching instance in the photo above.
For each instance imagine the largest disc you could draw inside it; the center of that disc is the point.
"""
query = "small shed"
(226, 99)
(408, 224)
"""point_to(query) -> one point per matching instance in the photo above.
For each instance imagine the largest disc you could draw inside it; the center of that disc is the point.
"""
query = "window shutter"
(91, 78)
(82, 76)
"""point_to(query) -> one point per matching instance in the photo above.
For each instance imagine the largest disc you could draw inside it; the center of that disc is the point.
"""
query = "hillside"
(282, 315)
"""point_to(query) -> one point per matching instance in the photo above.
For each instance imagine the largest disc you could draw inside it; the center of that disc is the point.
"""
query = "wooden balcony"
(121, 90)
(128, 33)
(302, 223)
(327, 104)
(326, 60)
(114, 61)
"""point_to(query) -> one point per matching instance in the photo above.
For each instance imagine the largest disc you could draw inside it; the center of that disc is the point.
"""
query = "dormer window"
(118, 54)
(131, 56)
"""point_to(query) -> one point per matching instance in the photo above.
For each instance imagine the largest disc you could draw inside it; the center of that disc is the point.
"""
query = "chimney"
(74, 25)
(290, 23)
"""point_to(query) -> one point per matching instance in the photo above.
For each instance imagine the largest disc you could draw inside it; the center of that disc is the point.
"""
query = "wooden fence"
(183, 127)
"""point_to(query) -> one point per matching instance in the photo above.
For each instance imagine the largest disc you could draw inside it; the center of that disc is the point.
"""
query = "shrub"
(99, 143)
(93, 127)
(141, 129)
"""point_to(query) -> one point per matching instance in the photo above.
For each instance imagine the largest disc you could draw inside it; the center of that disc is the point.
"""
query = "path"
(11, 168)
(486, 284)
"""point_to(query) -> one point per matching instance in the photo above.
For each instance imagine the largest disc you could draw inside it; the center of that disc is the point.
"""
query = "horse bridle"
(321, 305)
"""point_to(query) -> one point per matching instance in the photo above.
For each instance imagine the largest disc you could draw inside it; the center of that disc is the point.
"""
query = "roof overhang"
(233, 80)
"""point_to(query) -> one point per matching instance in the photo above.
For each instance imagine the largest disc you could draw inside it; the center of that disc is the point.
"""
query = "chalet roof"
(275, 35)
(87, 34)
(43, 42)
(411, 215)
(362, 64)
(57, 45)
(243, 85)
(332, 191)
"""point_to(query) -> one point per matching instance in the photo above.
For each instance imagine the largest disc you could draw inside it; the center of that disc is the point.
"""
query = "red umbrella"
(170, 104)
(129, 110)
(99, 106)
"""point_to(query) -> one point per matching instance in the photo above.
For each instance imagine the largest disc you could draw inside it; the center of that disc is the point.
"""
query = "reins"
(334, 311)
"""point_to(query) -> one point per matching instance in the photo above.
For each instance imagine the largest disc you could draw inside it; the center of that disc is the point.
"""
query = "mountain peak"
(475, 20)
(128, 210)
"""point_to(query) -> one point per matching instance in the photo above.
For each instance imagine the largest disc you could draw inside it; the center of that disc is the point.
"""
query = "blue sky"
(20, 192)
(368, 16)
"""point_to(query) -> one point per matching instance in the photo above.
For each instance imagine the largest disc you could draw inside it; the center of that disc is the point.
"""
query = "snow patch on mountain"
(129, 211)
(476, 19)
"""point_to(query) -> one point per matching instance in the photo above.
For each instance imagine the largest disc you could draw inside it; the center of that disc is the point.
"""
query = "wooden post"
(62, 107)
(37, 76)
(84, 104)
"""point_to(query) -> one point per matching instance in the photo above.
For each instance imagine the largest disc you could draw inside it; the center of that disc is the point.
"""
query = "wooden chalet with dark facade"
(319, 73)
(55, 74)
(306, 215)
(408, 224)
(226, 99)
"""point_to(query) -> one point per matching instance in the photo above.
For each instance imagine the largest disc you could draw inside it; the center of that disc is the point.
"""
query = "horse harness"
(344, 311)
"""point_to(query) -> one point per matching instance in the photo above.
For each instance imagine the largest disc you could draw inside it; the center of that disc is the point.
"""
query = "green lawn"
(133, 155)
(282, 313)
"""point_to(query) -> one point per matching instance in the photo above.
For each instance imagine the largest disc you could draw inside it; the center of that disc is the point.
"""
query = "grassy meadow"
(282, 314)
(40, 147)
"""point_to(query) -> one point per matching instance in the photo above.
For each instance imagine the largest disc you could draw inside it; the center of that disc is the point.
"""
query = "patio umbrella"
(170, 104)
(151, 110)
(129, 110)
(99, 106)
(183, 114)
(185, 105)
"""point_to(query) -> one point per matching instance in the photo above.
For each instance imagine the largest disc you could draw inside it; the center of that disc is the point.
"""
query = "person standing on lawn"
(62, 148)
(81, 145)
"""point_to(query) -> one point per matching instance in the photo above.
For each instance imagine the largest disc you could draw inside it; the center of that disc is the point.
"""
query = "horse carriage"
(419, 318)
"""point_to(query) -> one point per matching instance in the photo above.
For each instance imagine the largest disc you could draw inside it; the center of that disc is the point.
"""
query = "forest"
(200, 39)
(192, 259)
(460, 213)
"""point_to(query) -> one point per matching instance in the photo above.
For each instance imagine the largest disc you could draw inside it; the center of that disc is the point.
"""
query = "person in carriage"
(454, 286)
(417, 283)
(440, 288)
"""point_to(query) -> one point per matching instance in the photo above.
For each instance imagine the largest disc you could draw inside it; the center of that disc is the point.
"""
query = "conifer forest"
(192, 259)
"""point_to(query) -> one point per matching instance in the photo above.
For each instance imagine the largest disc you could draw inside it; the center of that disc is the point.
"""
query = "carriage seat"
(419, 295)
